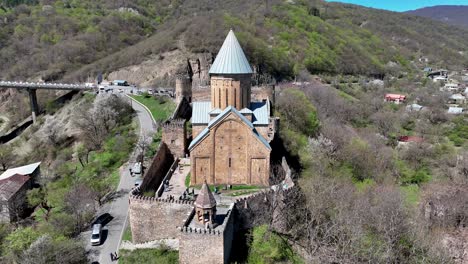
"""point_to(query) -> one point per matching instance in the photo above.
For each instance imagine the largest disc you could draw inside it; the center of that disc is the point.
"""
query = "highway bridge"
(32, 87)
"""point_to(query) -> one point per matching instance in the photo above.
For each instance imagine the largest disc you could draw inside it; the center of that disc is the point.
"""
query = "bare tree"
(80, 204)
(44, 251)
(7, 156)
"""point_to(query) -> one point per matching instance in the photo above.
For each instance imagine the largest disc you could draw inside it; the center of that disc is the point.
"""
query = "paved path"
(177, 182)
(118, 208)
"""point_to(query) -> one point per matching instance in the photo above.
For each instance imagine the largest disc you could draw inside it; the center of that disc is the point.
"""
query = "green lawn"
(148, 256)
(127, 235)
(187, 180)
(160, 107)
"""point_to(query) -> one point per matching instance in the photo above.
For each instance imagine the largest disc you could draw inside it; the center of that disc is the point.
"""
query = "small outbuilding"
(32, 170)
(13, 202)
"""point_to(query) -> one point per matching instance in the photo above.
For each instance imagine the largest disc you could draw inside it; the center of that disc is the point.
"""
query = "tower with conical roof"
(205, 206)
(230, 76)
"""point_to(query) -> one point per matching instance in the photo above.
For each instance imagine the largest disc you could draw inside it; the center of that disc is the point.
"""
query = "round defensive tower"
(183, 88)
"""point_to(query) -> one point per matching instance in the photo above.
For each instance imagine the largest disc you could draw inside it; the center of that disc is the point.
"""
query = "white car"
(136, 168)
(138, 182)
(96, 235)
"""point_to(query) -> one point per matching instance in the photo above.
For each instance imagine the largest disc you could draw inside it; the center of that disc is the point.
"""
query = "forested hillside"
(55, 39)
(453, 15)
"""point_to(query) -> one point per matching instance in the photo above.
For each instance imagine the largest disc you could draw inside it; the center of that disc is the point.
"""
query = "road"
(118, 207)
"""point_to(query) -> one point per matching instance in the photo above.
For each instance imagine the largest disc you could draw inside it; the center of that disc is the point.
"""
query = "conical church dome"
(231, 58)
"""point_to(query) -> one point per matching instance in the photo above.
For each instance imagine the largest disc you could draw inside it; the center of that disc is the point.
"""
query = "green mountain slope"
(80, 38)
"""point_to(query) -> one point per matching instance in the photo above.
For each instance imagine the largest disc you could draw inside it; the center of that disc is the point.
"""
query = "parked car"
(96, 235)
(136, 168)
(150, 92)
(103, 219)
(138, 182)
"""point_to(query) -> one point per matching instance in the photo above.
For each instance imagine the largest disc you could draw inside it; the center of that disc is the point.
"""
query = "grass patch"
(411, 194)
(242, 192)
(269, 247)
(149, 256)
(127, 235)
(187, 180)
(150, 193)
(160, 107)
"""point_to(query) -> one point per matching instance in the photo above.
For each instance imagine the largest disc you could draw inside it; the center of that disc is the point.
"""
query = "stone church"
(231, 134)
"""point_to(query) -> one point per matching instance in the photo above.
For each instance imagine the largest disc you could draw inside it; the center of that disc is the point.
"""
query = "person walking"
(112, 257)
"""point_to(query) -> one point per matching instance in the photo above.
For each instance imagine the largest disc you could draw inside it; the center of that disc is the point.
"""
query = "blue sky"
(402, 5)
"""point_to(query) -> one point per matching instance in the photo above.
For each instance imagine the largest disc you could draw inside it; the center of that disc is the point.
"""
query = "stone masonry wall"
(174, 135)
(230, 154)
(160, 165)
(202, 246)
(155, 218)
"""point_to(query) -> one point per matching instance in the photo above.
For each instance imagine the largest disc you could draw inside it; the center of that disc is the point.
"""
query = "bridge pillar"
(33, 102)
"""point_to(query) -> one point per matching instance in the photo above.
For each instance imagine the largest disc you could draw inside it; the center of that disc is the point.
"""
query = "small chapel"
(231, 134)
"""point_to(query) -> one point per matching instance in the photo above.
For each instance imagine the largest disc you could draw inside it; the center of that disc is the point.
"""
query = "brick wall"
(155, 218)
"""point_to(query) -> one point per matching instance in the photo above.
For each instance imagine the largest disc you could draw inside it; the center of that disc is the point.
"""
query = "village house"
(395, 98)
(404, 141)
(32, 170)
(450, 87)
(457, 99)
(440, 79)
(13, 203)
(455, 110)
(414, 107)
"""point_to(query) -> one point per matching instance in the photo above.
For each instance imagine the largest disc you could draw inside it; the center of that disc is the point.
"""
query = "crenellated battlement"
(200, 231)
(135, 196)
(174, 124)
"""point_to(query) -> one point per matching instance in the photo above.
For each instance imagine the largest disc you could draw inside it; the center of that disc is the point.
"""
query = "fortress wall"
(160, 165)
(199, 245)
(154, 218)
(201, 248)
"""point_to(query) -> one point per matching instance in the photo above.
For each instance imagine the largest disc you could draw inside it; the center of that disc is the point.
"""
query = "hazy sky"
(402, 5)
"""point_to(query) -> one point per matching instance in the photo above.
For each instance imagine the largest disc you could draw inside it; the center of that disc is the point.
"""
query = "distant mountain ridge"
(456, 15)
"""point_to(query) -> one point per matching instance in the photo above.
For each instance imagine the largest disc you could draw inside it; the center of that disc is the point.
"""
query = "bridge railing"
(39, 85)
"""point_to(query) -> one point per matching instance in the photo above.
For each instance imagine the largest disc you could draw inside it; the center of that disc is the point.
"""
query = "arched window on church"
(235, 97)
(227, 102)
(219, 97)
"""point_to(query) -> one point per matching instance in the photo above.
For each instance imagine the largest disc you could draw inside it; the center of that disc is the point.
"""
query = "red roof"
(11, 185)
(395, 97)
(411, 139)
